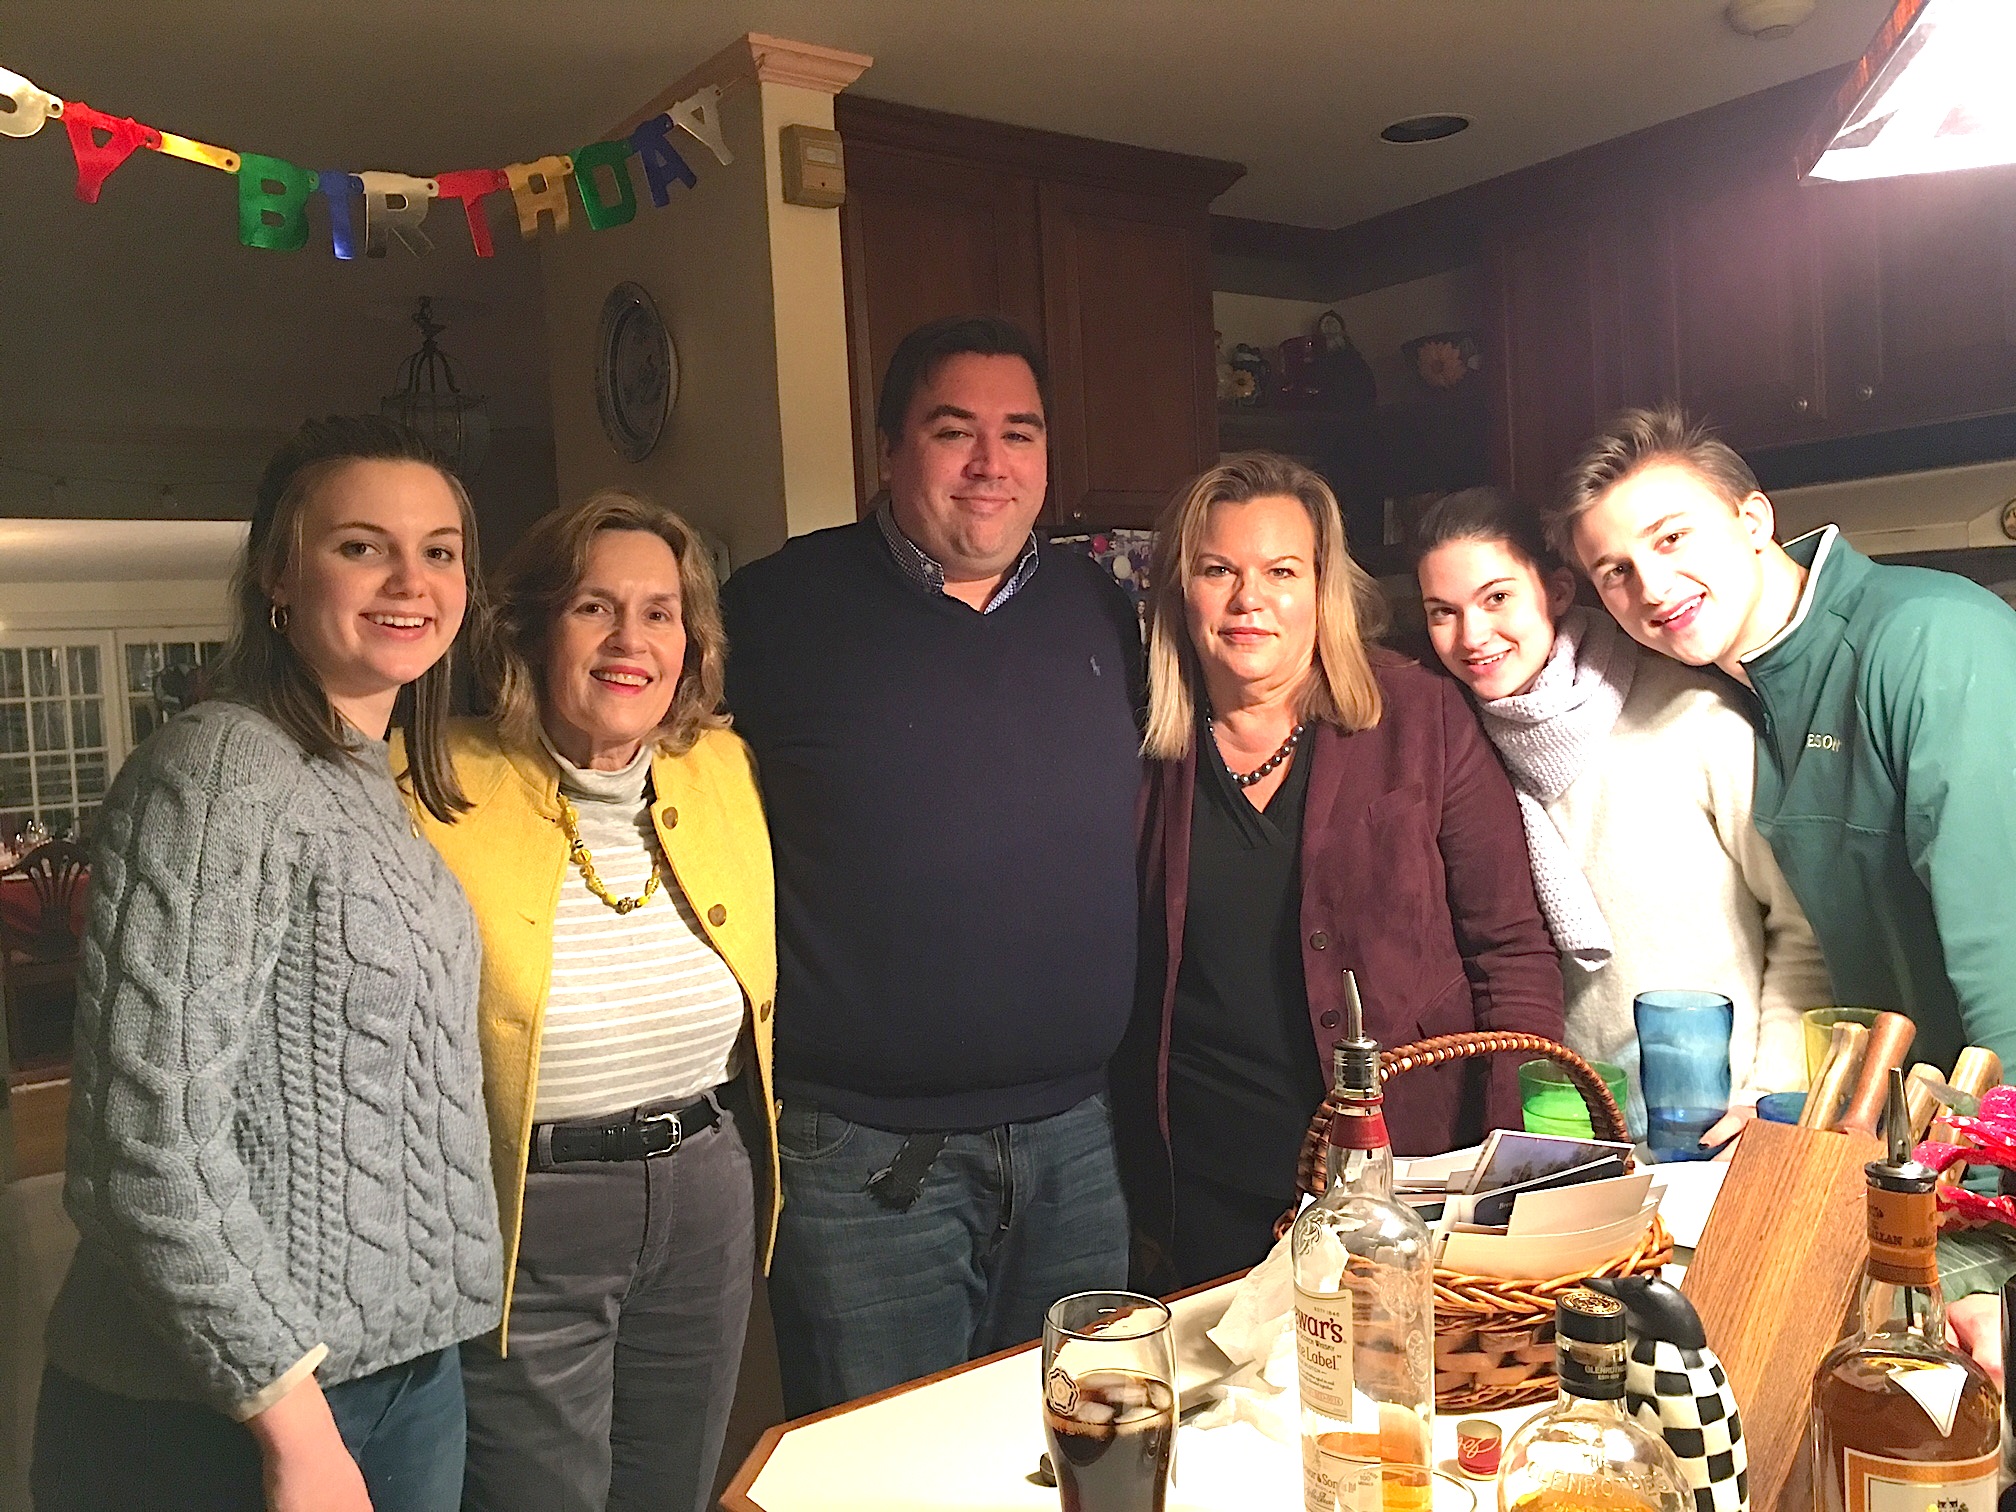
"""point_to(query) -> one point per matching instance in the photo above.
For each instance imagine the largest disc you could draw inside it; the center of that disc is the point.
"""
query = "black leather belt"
(644, 1137)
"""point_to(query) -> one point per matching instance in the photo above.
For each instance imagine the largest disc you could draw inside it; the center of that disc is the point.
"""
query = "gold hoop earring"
(276, 616)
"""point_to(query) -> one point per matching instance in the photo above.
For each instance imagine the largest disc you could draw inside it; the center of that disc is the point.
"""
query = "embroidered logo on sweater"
(1816, 741)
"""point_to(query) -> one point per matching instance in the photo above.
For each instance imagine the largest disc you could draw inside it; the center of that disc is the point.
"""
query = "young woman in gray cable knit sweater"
(279, 1163)
(1635, 777)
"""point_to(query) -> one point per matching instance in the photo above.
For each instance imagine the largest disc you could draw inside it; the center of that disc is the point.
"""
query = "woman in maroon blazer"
(1313, 804)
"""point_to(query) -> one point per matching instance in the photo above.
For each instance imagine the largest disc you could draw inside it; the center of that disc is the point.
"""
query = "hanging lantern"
(456, 424)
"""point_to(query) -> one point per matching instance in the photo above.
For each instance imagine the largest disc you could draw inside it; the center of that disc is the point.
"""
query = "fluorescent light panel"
(1933, 94)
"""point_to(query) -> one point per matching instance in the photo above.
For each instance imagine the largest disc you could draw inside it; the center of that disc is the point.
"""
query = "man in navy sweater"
(944, 715)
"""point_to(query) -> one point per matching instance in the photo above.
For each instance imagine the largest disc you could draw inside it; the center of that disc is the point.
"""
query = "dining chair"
(39, 949)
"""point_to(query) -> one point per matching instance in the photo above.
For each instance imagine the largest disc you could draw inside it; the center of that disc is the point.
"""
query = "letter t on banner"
(663, 167)
(538, 187)
(394, 206)
(470, 185)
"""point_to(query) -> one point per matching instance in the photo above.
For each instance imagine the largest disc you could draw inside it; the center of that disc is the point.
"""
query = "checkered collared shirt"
(921, 569)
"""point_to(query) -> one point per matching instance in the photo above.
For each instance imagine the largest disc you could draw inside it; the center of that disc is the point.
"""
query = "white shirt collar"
(1827, 534)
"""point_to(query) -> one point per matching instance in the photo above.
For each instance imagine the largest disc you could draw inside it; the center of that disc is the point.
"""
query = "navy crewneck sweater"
(951, 800)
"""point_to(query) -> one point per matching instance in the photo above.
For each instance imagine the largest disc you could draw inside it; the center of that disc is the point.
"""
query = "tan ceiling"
(144, 309)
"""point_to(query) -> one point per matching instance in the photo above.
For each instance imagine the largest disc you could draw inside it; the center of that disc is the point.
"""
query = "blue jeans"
(94, 1450)
(1005, 1221)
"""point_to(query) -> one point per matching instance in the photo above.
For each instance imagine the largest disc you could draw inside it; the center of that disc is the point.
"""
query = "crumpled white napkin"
(1257, 1334)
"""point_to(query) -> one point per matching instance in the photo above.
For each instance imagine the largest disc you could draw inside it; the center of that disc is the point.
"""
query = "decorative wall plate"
(636, 372)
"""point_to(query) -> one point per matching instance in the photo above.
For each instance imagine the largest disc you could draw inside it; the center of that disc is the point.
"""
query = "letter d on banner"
(273, 203)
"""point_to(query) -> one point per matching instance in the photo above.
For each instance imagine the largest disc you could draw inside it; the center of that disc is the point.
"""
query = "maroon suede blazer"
(1414, 875)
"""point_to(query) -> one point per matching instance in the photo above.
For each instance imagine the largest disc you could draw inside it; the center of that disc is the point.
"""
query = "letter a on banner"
(602, 214)
(469, 185)
(663, 167)
(394, 206)
(538, 187)
(273, 203)
(96, 159)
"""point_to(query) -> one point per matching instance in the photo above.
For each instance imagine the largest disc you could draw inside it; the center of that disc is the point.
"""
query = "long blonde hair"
(540, 577)
(1340, 686)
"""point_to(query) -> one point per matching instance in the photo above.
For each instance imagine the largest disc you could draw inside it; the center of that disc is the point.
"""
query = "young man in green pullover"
(1885, 700)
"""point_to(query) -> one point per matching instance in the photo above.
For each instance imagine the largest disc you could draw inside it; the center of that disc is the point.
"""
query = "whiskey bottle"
(1901, 1422)
(1586, 1453)
(1364, 1310)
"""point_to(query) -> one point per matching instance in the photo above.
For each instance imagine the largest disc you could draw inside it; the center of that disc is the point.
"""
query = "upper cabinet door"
(1739, 315)
(924, 237)
(1127, 283)
(1922, 275)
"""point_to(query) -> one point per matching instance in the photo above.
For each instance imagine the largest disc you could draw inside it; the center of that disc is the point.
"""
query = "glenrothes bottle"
(1585, 1453)
(1901, 1422)
(1364, 1310)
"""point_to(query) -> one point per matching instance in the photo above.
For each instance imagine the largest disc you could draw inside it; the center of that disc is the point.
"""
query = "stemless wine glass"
(1683, 1060)
(1109, 1400)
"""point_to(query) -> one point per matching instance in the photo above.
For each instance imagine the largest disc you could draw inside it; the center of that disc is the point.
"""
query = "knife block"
(1776, 1280)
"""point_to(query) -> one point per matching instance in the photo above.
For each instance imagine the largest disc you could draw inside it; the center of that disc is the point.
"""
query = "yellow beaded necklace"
(570, 826)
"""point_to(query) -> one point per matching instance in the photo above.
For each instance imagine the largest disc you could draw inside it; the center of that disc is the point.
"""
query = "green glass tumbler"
(1552, 1104)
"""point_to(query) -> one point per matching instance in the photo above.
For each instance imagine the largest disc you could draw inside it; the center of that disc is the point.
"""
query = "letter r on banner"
(540, 188)
(394, 206)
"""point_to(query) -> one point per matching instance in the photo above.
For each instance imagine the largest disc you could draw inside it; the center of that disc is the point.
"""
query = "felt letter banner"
(538, 187)
(272, 203)
(337, 186)
(469, 185)
(96, 159)
(394, 206)
(663, 167)
(601, 214)
(23, 107)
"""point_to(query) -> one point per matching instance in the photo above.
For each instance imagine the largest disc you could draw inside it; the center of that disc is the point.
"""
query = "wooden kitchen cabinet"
(1922, 297)
(1100, 251)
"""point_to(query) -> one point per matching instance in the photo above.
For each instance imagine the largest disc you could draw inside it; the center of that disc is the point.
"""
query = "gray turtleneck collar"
(624, 786)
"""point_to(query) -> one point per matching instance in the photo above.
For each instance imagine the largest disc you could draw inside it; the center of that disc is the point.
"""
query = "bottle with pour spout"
(1364, 1308)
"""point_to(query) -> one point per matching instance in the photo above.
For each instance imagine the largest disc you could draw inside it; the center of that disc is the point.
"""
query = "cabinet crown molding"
(758, 58)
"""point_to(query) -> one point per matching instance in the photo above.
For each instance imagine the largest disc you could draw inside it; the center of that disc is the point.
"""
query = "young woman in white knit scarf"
(1635, 777)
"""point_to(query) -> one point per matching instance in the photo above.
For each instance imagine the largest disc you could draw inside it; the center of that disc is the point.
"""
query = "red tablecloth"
(24, 915)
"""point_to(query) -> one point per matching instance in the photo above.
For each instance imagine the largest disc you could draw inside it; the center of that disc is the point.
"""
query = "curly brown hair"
(541, 576)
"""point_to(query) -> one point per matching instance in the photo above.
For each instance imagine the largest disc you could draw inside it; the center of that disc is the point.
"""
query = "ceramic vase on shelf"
(1342, 375)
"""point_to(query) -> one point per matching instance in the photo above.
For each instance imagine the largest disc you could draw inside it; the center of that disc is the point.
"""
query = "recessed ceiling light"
(1425, 128)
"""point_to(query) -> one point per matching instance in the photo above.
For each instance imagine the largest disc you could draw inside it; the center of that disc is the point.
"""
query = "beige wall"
(759, 444)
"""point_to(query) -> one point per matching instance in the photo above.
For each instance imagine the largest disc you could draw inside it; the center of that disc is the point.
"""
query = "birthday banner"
(273, 194)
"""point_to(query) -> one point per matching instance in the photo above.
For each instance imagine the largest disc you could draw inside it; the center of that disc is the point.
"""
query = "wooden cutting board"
(1777, 1278)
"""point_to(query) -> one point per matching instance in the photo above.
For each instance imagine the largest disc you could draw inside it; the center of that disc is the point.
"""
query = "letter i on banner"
(540, 187)
(663, 167)
(394, 206)
(95, 159)
(600, 212)
(273, 203)
(337, 187)
(470, 185)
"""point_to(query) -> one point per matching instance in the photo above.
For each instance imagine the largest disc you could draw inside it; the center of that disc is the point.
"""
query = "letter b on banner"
(273, 203)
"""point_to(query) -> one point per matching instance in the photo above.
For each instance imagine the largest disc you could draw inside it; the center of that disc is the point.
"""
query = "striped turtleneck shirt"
(641, 1007)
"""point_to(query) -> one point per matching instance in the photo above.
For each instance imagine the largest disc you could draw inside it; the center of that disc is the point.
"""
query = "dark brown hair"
(1350, 610)
(544, 572)
(263, 669)
(1485, 514)
(919, 355)
(1630, 443)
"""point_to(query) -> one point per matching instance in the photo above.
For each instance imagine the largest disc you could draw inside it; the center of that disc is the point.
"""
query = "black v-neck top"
(1243, 1071)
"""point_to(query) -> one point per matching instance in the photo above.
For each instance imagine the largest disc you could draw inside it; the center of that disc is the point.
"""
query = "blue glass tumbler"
(1683, 1059)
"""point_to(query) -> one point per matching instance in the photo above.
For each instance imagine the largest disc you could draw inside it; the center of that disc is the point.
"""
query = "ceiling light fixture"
(1425, 128)
(1767, 20)
(456, 424)
(1931, 95)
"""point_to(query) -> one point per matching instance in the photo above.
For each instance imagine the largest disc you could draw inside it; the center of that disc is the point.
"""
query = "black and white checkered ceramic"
(1683, 1396)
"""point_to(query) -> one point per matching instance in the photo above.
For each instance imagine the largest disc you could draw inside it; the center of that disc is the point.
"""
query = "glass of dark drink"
(1109, 1401)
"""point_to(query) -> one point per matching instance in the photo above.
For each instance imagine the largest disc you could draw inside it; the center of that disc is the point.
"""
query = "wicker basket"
(1494, 1340)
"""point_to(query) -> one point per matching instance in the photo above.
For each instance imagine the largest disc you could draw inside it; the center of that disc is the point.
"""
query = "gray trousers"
(632, 1296)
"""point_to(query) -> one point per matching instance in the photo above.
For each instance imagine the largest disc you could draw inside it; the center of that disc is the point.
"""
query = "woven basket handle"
(1604, 1115)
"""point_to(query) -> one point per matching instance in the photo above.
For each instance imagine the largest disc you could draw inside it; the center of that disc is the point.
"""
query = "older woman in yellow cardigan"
(618, 863)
